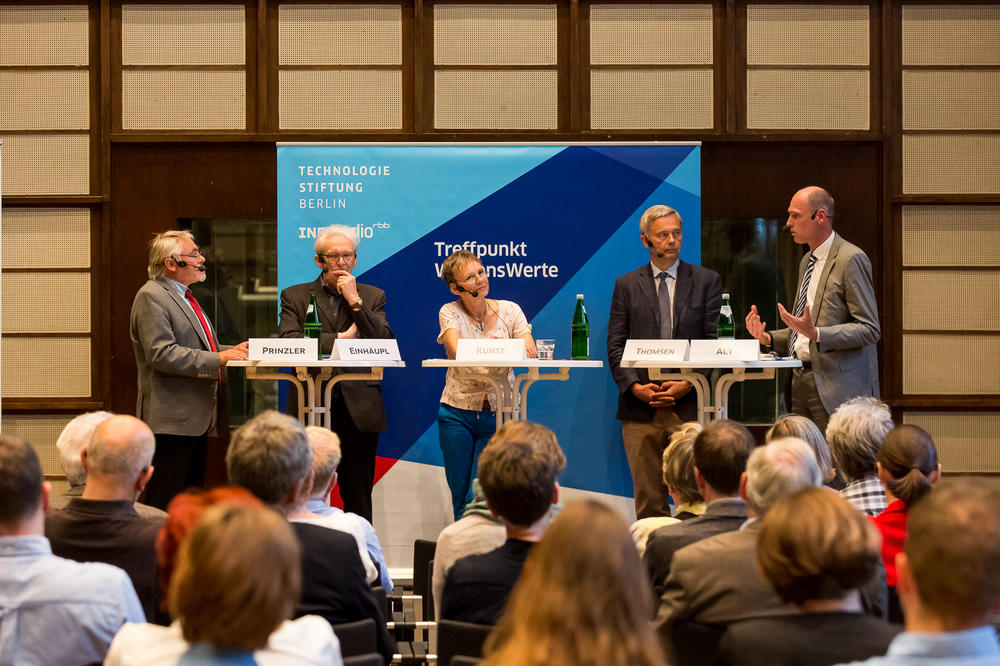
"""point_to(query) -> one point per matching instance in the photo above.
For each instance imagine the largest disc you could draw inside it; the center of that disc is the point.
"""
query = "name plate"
(655, 350)
(365, 350)
(470, 349)
(283, 349)
(725, 350)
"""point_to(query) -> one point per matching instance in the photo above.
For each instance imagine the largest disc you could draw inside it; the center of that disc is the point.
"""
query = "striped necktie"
(800, 302)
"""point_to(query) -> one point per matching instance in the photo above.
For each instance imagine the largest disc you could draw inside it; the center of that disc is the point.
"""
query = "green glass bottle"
(725, 330)
(580, 332)
(312, 327)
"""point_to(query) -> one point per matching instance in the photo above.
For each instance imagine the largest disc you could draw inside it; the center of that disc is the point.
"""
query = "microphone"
(183, 264)
(474, 294)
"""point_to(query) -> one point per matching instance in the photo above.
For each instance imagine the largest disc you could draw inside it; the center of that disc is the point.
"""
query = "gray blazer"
(178, 371)
(844, 362)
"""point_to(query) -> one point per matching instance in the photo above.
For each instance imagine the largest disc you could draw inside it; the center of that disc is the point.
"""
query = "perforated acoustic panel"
(951, 300)
(807, 35)
(495, 100)
(340, 99)
(46, 303)
(951, 164)
(775, 99)
(494, 34)
(41, 367)
(43, 35)
(46, 164)
(46, 238)
(973, 365)
(183, 99)
(41, 431)
(951, 235)
(965, 441)
(651, 34)
(951, 34)
(959, 99)
(183, 34)
(634, 99)
(40, 100)
(340, 34)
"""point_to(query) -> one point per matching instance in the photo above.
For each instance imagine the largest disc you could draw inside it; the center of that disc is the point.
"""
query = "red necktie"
(204, 323)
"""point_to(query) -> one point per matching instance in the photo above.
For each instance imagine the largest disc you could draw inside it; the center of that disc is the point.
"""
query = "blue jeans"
(463, 434)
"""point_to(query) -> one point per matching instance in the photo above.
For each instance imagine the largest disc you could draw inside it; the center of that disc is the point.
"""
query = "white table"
(514, 399)
(676, 370)
(316, 384)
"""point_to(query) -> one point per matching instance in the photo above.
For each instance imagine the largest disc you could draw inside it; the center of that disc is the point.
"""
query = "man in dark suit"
(666, 298)
(721, 451)
(346, 310)
(182, 394)
(833, 326)
(271, 457)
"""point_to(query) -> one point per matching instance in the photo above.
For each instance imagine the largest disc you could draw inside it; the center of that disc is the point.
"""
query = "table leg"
(374, 373)
(524, 381)
(727, 381)
(701, 388)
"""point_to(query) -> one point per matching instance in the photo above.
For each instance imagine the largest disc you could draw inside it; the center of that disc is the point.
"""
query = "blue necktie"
(800, 302)
(666, 330)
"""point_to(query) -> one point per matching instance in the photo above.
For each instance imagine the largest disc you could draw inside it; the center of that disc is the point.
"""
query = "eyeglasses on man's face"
(335, 257)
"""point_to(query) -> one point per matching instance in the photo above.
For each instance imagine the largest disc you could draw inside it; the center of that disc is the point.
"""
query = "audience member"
(54, 611)
(793, 425)
(583, 599)
(74, 437)
(102, 525)
(518, 471)
(326, 460)
(721, 451)
(271, 457)
(679, 479)
(716, 580)
(334, 520)
(949, 578)
(907, 467)
(307, 641)
(816, 550)
(855, 433)
(477, 531)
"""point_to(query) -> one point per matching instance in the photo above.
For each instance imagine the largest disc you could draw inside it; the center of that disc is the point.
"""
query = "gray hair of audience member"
(653, 213)
(350, 233)
(721, 451)
(814, 545)
(326, 456)
(71, 441)
(855, 433)
(909, 462)
(777, 470)
(952, 551)
(793, 425)
(678, 463)
(121, 447)
(163, 245)
(20, 482)
(269, 455)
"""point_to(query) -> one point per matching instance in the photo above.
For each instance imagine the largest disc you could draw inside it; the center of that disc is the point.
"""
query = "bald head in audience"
(118, 459)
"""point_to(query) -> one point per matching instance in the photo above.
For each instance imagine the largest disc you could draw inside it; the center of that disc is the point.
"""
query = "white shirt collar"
(823, 251)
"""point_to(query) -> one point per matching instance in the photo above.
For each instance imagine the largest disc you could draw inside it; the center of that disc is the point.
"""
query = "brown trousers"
(644, 445)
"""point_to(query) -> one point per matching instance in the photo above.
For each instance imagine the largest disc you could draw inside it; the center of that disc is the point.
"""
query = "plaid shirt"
(866, 494)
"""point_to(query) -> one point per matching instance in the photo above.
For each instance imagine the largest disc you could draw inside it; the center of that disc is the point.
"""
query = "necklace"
(480, 322)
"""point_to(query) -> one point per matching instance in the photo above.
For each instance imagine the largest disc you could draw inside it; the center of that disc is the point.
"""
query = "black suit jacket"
(635, 314)
(333, 582)
(363, 398)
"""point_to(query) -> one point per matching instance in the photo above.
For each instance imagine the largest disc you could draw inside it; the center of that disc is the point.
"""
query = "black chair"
(423, 555)
(357, 638)
(373, 659)
(696, 644)
(460, 638)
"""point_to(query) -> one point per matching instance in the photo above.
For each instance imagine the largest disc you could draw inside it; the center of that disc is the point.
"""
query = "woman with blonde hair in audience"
(231, 568)
(678, 476)
(793, 425)
(907, 466)
(583, 598)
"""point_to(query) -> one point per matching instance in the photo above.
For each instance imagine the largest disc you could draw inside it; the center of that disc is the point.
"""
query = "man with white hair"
(71, 442)
(855, 434)
(102, 524)
(347, 309)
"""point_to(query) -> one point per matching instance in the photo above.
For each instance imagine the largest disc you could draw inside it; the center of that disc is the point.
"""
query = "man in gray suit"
(180, 360)
(347, 309)
(834, 325)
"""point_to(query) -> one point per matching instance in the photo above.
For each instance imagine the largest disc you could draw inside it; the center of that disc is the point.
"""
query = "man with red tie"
(181, 388)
